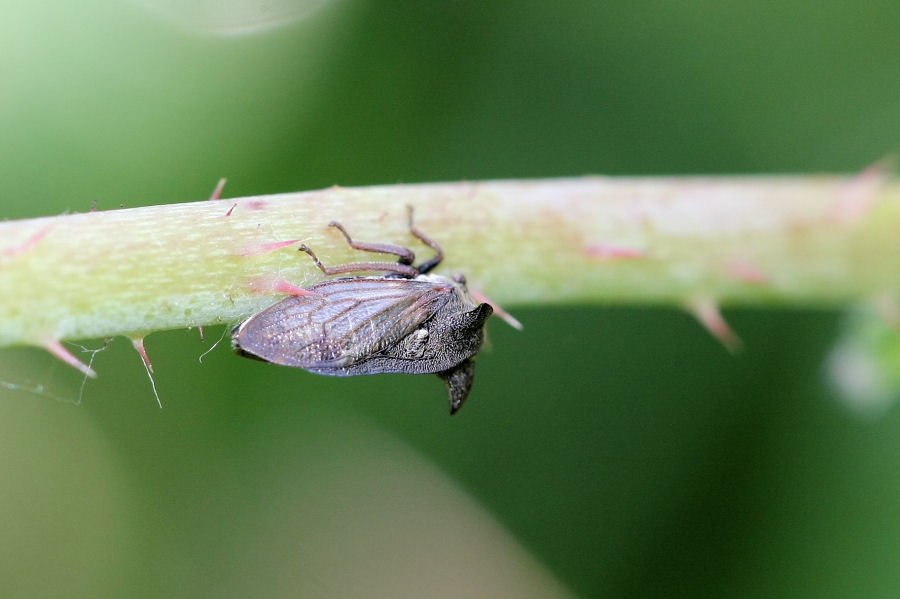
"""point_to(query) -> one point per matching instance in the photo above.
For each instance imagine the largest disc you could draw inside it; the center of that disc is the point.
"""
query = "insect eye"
(460, 278)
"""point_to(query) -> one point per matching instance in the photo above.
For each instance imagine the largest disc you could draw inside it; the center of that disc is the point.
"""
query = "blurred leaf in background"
(603, 451)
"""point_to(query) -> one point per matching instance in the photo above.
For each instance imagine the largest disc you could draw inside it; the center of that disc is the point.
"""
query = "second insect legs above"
(405, 256)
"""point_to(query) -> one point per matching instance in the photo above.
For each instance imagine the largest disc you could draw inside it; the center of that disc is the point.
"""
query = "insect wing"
(346, 321)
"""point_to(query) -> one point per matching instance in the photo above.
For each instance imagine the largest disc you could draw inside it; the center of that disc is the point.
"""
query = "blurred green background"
(605, 451)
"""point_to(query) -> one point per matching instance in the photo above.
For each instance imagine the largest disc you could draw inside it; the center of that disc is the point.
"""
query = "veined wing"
(345, 321)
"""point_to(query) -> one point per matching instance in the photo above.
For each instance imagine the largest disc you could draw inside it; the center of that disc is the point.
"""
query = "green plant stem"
(764, 241)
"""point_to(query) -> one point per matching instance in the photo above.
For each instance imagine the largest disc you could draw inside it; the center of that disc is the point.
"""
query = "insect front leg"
(428, 265)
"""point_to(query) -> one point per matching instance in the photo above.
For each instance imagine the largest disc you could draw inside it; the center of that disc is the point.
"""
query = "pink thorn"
(230, 210)
(506, 316)
(200, 330)
(138, 343)
(282, 286)
(707, 312)
(217, 192)
(139, 346)
(56, 348)
(267, 285)
(858, 196)
(606, 251)
(27, 244)
(253, 249)
(747, 272)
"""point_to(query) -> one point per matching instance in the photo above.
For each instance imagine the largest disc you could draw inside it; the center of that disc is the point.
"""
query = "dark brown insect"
(405, 321)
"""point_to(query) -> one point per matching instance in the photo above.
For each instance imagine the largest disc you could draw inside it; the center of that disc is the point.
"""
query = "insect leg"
(404, 255)
(401, 269)
(459, 383)
(428, 265)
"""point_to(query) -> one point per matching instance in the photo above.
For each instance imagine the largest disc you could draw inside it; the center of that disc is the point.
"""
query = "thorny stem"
(702, 241)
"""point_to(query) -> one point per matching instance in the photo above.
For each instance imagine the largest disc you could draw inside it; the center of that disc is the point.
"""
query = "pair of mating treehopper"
(404, 321)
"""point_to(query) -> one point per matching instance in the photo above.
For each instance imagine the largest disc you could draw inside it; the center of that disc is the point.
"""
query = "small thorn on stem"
(266, 285)
(747, 272)
(57, 349)
(607, 251)
(138, 343)
(888, 309)
(859, 195)
(27, 244)
(707, 312)
(200, 330)
(253, 249)
(217, 192)
(282, 286)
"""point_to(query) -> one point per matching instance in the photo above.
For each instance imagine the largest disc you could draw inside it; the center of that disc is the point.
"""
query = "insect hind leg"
(404, 255)
(404, 270)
